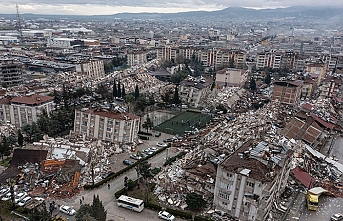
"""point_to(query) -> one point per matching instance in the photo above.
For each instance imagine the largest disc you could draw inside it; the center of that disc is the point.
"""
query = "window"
(109, 129)
(250, 184)
(108, 135)
(84, 123)
(117, 123)
(110, 122)
(223, 195)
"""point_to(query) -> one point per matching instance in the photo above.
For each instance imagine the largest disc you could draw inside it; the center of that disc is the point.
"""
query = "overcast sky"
(101, 7)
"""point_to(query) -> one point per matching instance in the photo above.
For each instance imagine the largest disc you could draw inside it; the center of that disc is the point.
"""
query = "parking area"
(118, 159)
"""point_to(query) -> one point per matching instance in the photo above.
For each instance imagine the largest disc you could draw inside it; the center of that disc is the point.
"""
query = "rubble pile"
(146, 83)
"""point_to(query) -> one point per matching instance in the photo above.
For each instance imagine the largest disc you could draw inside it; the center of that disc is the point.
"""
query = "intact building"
(287, 92)
(136, 58)
(249, 182)
(24, 110)
(107, 125)
(231, 77)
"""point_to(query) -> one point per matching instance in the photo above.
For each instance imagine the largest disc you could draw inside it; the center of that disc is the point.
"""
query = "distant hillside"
(297, 12)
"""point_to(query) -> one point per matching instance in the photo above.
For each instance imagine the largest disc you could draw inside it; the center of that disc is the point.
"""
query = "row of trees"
(86, 212)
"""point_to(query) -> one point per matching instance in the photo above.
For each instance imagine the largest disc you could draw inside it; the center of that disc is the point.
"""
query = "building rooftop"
(32, 99)
(112, 114)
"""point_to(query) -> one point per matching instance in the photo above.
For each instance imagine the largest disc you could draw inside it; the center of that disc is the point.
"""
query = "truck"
(312, 197)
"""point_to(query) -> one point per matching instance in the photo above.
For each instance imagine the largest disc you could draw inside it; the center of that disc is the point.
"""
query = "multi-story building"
(269, 59)
(91, 69)
(317, 67)
(249, 182)
(24, 110)
(11, 72)
(331, 87)
(191, 90)
(287, 92)
(113, 126)
(167, 53)
(71, 42)
(231, 77)
(136, 57)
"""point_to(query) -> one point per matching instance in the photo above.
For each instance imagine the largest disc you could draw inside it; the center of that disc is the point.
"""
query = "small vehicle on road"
(337, 217)
(108, 174)
(128, 162)
(160, 144)
(166, 216)
(67, 210)
(158, 134)
(24, 201)
(135, 156)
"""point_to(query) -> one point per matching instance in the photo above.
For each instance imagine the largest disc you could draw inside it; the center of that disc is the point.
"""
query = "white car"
(19, 197)
(166, 216)
(153, 149)
(24, 201)
(160, 144)
(7, 196)
(67, 210)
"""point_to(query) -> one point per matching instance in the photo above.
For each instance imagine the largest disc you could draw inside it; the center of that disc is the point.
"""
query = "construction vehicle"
(312, 197)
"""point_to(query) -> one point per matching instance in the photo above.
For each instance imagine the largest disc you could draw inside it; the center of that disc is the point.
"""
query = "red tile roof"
(301, 175)
(112, 115)
(33, 99)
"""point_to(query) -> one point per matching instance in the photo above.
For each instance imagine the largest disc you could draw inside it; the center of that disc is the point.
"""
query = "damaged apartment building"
(251, 179)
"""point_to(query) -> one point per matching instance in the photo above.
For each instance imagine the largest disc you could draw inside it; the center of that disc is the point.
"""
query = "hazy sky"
(99, 7)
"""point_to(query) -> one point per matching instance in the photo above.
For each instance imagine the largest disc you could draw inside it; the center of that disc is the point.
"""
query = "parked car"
(160, 144)
(166, 216)
(336, 217)
(67, 210)
(4, 191)
(108, 174)
(19, 197)
(167, 140)
(153, 149)
(143, 155)
(25, 200)
(135, 156)
(128, 162)
(148, 151)
(158, 134)
(7, 196)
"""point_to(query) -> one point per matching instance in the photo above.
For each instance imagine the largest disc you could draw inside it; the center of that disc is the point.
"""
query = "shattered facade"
(251, 179)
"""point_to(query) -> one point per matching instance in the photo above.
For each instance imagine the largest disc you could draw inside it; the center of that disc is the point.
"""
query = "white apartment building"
(268, 59)
(251, 179)
(91, 69)
(24, 110)
(107, 125)
(60, 42)
(136, 58)
(231, 77)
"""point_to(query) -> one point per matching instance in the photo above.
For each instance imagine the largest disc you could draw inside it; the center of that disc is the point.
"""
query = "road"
(107, 195)
(327, 205)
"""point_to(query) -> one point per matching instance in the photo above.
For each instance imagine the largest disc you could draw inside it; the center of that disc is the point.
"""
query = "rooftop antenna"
(19, 23)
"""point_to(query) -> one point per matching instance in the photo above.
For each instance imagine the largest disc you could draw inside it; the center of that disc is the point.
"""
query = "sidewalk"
(296, 208)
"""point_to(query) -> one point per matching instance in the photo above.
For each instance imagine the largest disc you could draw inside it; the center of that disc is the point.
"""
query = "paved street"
(327, 205)
(107, 195)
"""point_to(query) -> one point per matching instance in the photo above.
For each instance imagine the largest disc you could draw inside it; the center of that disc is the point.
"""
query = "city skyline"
(106, 7)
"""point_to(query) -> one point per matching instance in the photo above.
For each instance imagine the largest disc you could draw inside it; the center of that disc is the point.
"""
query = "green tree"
(32, 132)
(84, 213)
(178, 77)
(148, 124)
(57, 97)
(195, 201)
(119, 90)
(176, 99)
(123, 93)
(40, 213)
(20, 138)
(252, 84)
(44, 123)
(98, 210)
(102, 90)
(136, 92)
(114, 88)
(140, 104)
(268, 79)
